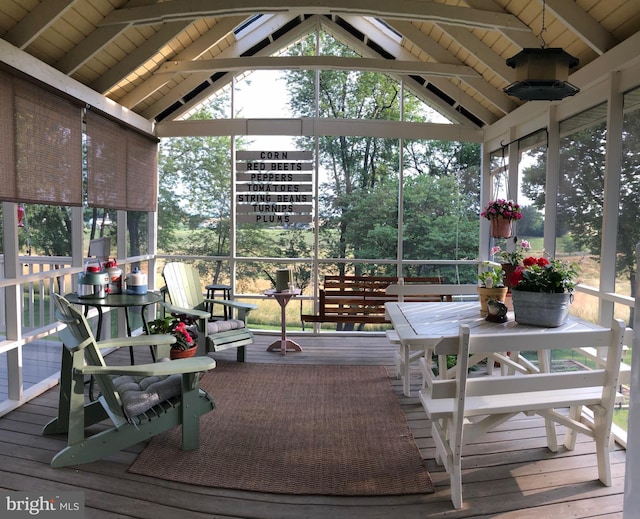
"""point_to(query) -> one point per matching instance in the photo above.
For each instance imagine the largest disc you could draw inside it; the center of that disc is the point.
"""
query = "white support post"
(612, 168)
(13, 299)
(552, 182)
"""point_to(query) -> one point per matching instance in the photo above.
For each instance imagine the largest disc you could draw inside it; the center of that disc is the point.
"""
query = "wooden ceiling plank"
(583, 25)
(141, 55)
(86, 49)
(399, 10)
(37, 21)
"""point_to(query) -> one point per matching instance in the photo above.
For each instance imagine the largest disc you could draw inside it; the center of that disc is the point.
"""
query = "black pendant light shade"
(541, 75)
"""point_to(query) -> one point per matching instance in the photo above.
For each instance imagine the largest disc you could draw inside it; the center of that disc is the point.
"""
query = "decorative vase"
(182, 354)
(541, 308)
(497, 293)
(500, 227)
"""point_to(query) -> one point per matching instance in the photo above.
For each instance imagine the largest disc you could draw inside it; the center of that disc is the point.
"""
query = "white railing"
(43, 275)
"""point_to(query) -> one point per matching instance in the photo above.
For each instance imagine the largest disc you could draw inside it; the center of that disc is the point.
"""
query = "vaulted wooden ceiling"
(159, 58)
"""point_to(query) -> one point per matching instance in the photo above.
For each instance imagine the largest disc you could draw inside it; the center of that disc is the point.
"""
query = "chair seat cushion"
(139, 394)
(224, 326)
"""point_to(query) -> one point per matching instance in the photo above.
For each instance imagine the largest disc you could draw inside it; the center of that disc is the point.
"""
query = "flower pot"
(500, 227)
(182, 354)
(541, 308)
(485, 294)
(508, 270)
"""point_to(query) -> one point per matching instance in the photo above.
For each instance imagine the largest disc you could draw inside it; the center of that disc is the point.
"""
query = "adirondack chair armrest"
(198, 314)
(242, 309)
(192, 365)
(232, 304)
(158, 339)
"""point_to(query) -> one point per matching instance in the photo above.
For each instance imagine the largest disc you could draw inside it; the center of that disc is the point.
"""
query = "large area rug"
(323, 430)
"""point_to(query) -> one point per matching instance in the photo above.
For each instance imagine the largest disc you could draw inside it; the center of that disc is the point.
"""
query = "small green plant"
(491, 275)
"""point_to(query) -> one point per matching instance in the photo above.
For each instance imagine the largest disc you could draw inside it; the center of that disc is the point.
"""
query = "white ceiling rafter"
(195, 50)
(446, 108)
(118, 47)
(37, 21)
(432, 48)
(398, 10)
(579, 21)
(238, 49)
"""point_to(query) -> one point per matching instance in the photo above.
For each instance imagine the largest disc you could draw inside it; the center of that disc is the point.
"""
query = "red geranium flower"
(516, 276)
(530, 261)
(542, 262)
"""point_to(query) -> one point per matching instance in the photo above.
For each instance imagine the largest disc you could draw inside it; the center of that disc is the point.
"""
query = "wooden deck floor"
(509, 474)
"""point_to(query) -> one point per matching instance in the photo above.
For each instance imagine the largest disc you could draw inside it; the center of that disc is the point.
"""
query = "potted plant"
(542, 291)
(182, 329)
(501, 214)
(491, 285)
(510, 260)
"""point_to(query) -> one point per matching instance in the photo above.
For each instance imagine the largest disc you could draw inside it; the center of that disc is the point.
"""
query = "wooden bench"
(359, 299)
(463, 408)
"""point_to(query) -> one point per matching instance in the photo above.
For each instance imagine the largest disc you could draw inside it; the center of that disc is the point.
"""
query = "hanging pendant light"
(542, 74)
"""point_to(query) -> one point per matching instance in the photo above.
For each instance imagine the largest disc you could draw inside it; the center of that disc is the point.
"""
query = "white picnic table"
(434, 327)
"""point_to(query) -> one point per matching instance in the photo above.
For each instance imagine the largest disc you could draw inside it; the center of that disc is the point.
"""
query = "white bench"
(463, 408)
(421, 293)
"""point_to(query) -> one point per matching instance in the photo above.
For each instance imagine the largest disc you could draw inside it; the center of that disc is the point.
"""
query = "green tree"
(195, 189)
(354, 165)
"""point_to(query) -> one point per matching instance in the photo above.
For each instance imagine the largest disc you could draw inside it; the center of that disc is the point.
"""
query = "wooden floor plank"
(507, 473)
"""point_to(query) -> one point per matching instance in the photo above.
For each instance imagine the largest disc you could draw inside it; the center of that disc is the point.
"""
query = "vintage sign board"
(274, 187)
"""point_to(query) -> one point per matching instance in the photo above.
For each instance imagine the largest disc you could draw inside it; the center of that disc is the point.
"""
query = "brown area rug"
(322, 430)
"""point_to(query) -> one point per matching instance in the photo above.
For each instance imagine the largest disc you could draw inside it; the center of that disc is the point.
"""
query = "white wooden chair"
(463, 408)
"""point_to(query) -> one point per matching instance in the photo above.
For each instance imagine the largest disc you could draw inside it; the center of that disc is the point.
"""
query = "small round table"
(226, 295)
(283, 299)
(125, 301)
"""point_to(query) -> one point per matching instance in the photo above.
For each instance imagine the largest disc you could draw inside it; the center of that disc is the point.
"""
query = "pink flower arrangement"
(515, 257)
(508, 209)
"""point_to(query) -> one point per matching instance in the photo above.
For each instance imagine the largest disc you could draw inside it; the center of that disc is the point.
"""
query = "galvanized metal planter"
(541, 308)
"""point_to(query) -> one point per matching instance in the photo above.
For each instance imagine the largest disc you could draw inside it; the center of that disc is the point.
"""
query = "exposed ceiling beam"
(39, 19)
(585, 27)
(319, 126)
(208, 40)
(432, 48)
(374, 33)
(317, 63)
(248, 40)
(522, 39)
(139, 56)
(91, 45)
(398, 10)
(482, 52)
